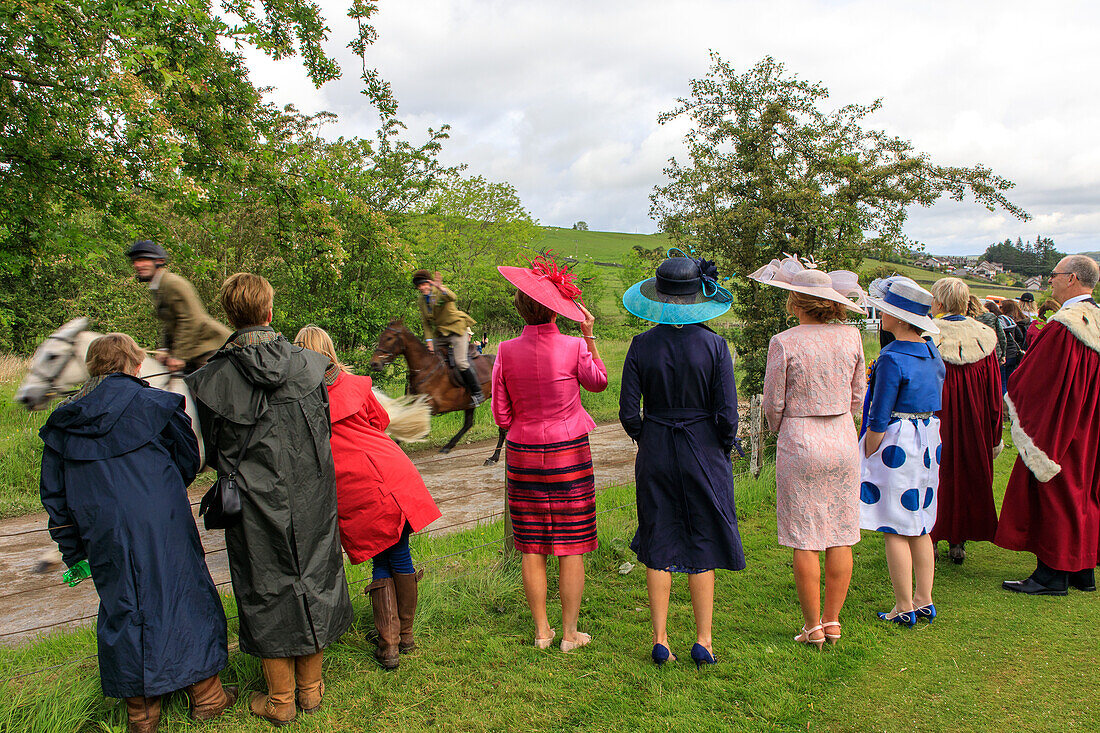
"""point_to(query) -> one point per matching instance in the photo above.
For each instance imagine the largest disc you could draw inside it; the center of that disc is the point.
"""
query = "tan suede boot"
(207, 699)
(383, 600)
(311, 689)
(142, 714)
(405, 585)
(277, 706)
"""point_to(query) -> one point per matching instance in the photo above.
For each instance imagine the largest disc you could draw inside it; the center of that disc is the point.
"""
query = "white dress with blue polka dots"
(900, 480)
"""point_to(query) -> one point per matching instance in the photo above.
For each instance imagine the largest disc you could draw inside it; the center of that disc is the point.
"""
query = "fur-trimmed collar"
(964, 342)
(1083, 321)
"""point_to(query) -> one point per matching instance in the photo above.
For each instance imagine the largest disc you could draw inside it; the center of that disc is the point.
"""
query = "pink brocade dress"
(815, 381)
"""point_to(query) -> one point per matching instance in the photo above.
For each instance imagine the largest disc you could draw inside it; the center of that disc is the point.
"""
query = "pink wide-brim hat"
(542, 289)
(838, 286)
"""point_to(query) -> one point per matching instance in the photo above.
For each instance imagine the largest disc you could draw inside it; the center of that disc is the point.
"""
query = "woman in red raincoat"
(380, 497)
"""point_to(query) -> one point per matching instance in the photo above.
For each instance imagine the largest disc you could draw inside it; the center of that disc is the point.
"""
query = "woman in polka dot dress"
(901, 447)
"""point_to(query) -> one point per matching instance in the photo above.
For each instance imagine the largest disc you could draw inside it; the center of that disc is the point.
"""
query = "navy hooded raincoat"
(115, 470)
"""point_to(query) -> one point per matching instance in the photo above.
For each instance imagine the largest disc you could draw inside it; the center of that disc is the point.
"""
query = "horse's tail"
(410, 416)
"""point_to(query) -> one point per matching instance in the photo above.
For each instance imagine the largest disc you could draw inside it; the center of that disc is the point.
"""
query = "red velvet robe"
(378, 489)
(970, 431)
(1052, 504)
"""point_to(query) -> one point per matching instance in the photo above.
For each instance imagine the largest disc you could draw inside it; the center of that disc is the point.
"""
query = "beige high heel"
(582, 639)
(804, 637)
(544, 643)
(831, 638)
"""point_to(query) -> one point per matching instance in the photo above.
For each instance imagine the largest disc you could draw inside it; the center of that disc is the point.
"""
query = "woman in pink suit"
(536, 398)
(380, 498)
(813, 384)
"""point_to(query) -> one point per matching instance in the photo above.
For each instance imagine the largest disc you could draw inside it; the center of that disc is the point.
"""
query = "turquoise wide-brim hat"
(684, 290)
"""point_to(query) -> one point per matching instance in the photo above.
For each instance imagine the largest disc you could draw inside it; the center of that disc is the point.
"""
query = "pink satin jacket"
(536, 386)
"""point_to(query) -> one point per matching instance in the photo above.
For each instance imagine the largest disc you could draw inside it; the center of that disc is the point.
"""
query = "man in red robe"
(1052, 503)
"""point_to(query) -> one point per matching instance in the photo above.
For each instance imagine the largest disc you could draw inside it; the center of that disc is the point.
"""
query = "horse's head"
(391, 342)
(56, 366)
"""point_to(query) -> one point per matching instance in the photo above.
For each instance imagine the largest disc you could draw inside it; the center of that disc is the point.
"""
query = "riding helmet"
(421, 276)
(146, 249)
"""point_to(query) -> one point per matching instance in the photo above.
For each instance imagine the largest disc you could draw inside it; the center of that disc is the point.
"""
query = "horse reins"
(51, 380)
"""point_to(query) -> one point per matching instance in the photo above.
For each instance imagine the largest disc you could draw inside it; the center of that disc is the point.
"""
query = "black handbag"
(220, 506)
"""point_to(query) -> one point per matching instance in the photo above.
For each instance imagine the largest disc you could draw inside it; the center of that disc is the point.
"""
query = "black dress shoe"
(1032, 588)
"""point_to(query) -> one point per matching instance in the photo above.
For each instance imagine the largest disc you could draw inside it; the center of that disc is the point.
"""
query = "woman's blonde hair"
(974, 307)
(111, 353)
(247, 299)
(821, 310)
(317, 339)
(953, 294)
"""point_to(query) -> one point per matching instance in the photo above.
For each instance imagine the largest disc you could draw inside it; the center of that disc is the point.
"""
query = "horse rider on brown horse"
(188, 336)
(445, 324)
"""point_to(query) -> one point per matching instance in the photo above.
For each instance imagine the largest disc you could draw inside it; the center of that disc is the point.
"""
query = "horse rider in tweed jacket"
(445, 323)
(188, 336)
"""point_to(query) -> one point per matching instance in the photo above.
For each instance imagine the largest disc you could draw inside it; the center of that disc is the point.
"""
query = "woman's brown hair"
(1010, 309)
(111, 353)
(531, 311)
(819, 309)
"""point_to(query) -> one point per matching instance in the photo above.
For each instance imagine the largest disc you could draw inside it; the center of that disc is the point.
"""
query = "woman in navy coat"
(117, 461)
(683, 374)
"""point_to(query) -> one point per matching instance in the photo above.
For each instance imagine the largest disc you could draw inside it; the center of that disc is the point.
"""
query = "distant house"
(988, 269)
(932, 263)
(1035, 282)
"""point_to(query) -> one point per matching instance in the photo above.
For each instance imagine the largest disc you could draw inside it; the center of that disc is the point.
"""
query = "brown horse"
(430, 375)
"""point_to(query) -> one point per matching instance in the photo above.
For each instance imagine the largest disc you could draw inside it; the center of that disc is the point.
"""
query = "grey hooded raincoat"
(284, 556)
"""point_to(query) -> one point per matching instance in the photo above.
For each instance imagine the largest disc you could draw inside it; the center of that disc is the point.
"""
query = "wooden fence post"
(756, 418)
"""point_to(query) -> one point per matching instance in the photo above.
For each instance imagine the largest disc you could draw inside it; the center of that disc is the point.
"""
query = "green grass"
(993, 661)
(20, 446)
(596, 246)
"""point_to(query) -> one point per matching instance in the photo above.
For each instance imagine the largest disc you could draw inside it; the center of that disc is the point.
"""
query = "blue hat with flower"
(685, 290)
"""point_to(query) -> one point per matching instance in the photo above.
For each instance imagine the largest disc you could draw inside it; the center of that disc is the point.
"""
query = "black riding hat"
(146, 249)
(421, 276)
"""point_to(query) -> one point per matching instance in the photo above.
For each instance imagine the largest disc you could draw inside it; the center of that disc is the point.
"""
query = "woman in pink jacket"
(536, 398)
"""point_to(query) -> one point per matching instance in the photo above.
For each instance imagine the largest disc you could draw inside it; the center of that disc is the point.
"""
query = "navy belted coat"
(683, 377)
(115, 470)
(284, 556)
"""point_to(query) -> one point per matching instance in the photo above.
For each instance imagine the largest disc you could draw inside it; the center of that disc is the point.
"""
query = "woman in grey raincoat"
(262, 401)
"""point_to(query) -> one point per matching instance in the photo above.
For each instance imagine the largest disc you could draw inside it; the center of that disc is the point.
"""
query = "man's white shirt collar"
(1076, 299)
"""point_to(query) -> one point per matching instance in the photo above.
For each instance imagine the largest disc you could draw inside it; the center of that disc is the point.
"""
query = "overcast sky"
(560, 98)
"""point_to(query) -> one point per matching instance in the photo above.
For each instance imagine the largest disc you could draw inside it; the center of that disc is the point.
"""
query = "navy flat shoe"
(907, 619)
(662, 654)
(927, 613)
(701, 656)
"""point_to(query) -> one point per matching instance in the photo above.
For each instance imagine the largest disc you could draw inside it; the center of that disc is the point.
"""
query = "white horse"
(57, 368)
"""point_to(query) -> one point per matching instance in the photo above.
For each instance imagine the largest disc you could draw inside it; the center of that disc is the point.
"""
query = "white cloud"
(561, 98)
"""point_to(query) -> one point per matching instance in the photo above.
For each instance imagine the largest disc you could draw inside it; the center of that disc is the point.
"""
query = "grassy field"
(993, 661)
(596, 246)
(981, 288)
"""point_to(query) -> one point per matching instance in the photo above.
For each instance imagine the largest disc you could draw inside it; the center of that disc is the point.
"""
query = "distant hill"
(1093, 255)
(595, 246)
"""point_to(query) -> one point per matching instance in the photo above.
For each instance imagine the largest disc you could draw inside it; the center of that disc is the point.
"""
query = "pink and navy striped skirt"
(552, 497)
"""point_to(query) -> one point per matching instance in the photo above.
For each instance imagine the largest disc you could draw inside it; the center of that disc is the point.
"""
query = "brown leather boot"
(207, 699)
(277, 706)
(405, 585)
(311, 689)
(142, 714)
(383, 600)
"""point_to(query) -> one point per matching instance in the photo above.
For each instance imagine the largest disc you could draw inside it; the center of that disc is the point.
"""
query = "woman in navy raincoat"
(117, 460)
(683, 373)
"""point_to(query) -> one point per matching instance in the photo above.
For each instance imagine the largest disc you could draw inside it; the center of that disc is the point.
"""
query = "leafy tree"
(463, 229)
(768, 170)
(581, 226)
(105, 102)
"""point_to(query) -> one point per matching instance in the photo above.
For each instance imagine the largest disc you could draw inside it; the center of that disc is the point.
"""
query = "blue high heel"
(907, 619)
(928, 613)
(701, 656)
(662, 654)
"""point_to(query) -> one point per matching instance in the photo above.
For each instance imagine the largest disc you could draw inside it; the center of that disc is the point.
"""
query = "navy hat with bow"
(684, 290)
